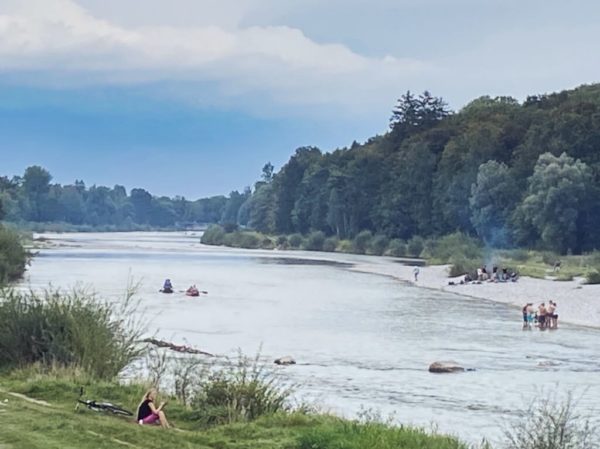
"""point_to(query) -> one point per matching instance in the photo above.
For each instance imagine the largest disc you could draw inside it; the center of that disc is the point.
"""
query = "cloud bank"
(59, 40)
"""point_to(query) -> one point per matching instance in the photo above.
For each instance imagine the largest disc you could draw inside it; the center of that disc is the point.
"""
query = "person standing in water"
(551, 316)
(416, 273)
(542, 316)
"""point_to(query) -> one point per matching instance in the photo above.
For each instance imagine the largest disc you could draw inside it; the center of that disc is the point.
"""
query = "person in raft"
(148, 413)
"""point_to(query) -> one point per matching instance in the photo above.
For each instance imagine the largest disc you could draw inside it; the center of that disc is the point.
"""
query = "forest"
(513, 174)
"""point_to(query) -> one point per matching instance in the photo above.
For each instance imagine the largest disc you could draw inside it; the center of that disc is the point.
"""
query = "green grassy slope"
(27, 423)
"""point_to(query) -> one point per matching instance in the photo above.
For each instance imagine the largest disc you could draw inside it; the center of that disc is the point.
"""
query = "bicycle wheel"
(107, 406)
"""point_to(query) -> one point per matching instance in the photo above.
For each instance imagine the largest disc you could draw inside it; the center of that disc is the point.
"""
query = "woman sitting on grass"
(148, 413)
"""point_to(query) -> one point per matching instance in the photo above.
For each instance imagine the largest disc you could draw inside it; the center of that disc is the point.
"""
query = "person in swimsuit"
(527, 315)
(552, 316)
(148, 413)
(542, 312)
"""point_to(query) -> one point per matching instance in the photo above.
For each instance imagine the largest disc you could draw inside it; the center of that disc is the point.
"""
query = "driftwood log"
(174, 347)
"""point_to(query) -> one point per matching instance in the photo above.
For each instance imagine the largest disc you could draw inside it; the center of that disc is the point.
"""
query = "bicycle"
(101, 406)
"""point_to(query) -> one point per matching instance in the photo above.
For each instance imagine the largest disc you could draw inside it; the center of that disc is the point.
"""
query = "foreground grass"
(32, 425)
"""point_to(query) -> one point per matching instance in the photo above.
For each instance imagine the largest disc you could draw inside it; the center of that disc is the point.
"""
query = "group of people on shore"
(497, 275)
(545, 317)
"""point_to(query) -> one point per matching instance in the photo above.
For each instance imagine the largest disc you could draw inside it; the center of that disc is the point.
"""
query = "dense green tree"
(286, 184)
(493, 198)
(558, 197)
(36, 184)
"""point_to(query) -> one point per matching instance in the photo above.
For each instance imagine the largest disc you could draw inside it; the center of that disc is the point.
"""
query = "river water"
(362, 341)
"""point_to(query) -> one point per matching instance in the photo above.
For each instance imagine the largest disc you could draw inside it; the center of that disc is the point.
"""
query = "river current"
(362, 341)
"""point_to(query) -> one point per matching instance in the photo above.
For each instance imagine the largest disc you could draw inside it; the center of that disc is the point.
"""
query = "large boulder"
(286, 360)
(446, 367)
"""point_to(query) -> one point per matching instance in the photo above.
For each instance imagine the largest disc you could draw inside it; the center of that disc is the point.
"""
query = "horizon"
(200, 95)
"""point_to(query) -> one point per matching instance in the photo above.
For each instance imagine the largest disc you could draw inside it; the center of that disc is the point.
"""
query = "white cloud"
(60, 38)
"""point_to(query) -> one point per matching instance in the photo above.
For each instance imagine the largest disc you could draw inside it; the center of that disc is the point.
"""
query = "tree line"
(34, 198)
(512, 174)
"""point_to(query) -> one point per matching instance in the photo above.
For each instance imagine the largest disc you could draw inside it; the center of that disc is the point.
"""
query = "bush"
(75, 330)
(296, 241)
(230, 227)
(243, 390)
(315, 241)
(330, 244)
(345, 246)
(396, 248)
(282, 242)
(549, 258)
(552, 424)
(592, 277)
(460, 265)
(456, 245)
(415, 246)
(361, 242)
(214, 235)
(13, 257)
(249, 240)
(267, 243)
(378, 245)
(519, 255)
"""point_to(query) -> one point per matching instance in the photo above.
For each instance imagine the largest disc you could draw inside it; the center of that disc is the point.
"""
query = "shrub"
(415, 246)
(230, 227)
(267, 243)
(396, 248)
(454, 245)
(345, 246)
(330, 244)
(519, 255)
(592, 277)
(243, 390)
(315, 241)
(549, 258)
(552, 424)
(214, 235)
(296, 241)
(378, 245)
(282, 242)
(249, 240)
(460, 265)
(13, 257)
(361, 242)
(74, 329)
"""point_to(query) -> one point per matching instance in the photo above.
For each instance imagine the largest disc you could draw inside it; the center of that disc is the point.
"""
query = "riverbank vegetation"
(13, 256)
(463, 253)
(67, 329)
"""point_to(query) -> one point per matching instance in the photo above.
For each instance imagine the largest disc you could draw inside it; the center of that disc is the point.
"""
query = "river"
(362, 341)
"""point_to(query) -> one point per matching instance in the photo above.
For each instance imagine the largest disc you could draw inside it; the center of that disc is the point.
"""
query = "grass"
(540, 264)
(27, 425)
(68, 329)
(339, 434)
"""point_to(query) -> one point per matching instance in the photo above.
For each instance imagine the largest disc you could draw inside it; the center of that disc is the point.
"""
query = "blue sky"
(192, 97)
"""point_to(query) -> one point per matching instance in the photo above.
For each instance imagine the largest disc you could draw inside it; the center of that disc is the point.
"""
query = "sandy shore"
(577, 303)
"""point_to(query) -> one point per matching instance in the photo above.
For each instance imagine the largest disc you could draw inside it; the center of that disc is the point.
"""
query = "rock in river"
(287, 360)
(445, 367)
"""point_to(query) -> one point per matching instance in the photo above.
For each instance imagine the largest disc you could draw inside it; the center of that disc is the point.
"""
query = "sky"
(193, 97)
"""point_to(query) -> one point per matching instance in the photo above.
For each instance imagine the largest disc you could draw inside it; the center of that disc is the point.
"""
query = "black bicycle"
(101, 406)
